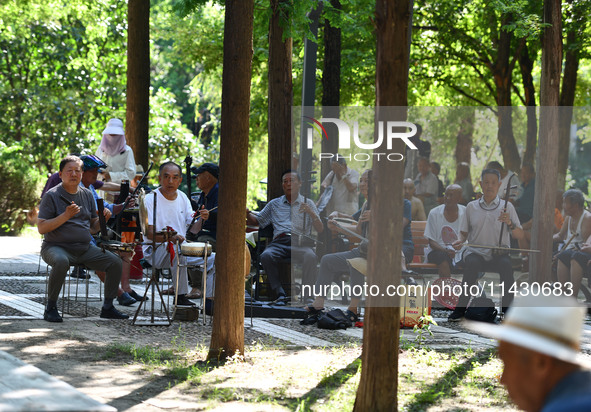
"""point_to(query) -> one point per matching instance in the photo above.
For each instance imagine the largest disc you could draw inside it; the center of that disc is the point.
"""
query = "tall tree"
(547, 165)
(378, 385)
(138, 79)
(280, 97)
(228, 323)
(576, 18)
(331, 81)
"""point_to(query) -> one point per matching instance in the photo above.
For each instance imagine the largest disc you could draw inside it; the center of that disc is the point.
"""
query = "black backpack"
(482, 309)
(334, 319)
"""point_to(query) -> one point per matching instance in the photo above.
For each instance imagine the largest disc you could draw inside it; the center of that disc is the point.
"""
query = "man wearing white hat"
(115, 152)
(539, 344)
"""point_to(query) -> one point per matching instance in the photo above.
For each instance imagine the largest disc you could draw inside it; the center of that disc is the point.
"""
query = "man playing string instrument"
(485, 221)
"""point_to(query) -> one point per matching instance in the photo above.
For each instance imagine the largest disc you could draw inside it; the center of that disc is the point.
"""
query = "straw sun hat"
(550, 325)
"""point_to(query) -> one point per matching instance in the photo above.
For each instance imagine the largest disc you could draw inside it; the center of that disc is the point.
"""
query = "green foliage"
(19, 190)
(62, 72)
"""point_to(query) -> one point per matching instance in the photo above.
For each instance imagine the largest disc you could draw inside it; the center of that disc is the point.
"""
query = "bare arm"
(561, 235)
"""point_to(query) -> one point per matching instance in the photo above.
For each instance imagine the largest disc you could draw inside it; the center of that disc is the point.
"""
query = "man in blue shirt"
(292, 218)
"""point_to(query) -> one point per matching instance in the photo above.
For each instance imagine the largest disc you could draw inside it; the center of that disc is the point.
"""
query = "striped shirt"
(285, 217)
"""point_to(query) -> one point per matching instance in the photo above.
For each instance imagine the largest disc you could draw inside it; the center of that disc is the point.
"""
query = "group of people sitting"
(477, 235)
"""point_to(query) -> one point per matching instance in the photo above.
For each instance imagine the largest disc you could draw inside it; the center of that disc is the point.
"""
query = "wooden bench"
(420, 242)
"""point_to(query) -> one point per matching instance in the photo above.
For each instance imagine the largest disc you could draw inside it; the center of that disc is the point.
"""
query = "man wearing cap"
(67, 215)
(205, 228)
(539, 344)
(126, 296)
(206, 177)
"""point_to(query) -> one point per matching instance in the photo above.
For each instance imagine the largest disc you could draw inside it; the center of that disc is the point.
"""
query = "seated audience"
(576, 232)
(292, 218)
(449, 215)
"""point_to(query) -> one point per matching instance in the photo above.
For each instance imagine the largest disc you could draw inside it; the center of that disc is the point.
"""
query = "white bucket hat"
(550, 325)
(114, 126)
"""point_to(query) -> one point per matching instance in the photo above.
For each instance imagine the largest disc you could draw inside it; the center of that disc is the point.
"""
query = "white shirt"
(121, 166)
(481, 222)
(175, 213)
(342, 200)
(436, 221)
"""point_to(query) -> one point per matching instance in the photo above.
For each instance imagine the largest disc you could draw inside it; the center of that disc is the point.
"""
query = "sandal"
(169, 291)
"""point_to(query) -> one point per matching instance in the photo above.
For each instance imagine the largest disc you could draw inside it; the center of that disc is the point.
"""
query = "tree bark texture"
(138, 79)
(502, 70)
(567, 96)
(331, 88)
(526, 66)
(547, 164)
(228, 323)
(280, 101)
(378, 384)
(464, 137)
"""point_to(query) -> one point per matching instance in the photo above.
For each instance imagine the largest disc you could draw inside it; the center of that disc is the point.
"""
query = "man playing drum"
(173, 213)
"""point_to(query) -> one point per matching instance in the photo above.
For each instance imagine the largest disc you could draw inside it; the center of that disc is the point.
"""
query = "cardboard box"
(413, 305)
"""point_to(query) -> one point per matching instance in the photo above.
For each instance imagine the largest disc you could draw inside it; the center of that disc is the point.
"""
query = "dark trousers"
(278, 251)
(334, 265)
(501, 264)
(94, 258)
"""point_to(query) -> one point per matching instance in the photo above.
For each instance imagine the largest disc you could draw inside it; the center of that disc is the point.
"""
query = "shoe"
(195, 295)
(169, 291)
(112, 313)
(137, 297)
(456, 316)
(52, 315)
(280, 301)
(125, 299)
(183, 301)
(80, 273)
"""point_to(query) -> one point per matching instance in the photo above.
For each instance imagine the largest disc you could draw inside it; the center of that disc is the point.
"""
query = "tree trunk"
(502, 78)
(464, 137)
(331, 87)
(526, 66)
(547, 167)
(567, 97)
(280, 101)
(227, 336)
(378, 384)
(138, 79)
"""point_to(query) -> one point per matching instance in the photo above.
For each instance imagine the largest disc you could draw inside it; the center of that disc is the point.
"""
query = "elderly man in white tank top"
(575, 231)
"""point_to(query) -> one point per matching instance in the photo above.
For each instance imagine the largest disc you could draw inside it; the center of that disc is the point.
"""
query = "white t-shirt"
(175, 213)
(342, 200)
(436, 221)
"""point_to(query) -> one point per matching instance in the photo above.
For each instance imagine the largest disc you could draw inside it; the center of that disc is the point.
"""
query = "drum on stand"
(196, 249)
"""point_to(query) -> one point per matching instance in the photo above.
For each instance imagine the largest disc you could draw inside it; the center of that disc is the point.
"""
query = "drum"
(195, 249)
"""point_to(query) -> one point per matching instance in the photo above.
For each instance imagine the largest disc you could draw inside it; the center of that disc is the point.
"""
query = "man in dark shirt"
(67, 215)
(205, 229)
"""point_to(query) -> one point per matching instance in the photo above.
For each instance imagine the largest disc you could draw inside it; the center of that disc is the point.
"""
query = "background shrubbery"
(19, 190)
